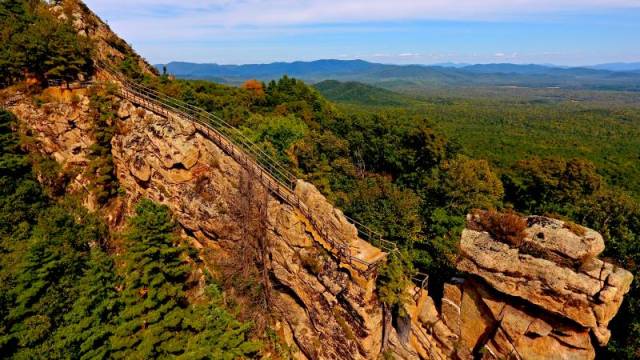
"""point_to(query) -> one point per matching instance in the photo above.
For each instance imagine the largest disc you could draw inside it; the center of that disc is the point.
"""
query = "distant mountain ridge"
(632, 67)
(396, 77)
(277, 69)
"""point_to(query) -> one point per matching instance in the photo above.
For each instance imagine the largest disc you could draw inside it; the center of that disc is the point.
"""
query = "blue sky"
(564, 32)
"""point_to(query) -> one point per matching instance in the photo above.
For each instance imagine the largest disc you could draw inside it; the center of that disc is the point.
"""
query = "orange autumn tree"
(255, 87)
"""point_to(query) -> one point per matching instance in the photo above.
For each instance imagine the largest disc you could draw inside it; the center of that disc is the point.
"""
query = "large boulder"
(554, 269)
(496, 327)
(532, 290)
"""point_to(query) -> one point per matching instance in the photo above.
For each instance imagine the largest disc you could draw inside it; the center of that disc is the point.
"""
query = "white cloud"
(192, 25)
(502, 55)
(193, 20)
(290, 12)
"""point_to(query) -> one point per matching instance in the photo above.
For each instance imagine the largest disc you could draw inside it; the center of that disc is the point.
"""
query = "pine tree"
(101, 168)
(35, 41)
(20, 195)
(13, 17)
(89, 323)
(395, 278)
(153, 296)
(157, 320)
(217, 334)
(69, 55)
(53, 265)
(46, 277)
(21, 199)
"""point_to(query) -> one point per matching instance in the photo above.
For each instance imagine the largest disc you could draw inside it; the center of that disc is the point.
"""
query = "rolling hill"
(362, 94)
(400, 77)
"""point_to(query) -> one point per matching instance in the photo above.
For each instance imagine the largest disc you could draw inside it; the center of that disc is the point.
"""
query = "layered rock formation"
(328, 315)
(550, 297)
(555, 269)
(326, 310)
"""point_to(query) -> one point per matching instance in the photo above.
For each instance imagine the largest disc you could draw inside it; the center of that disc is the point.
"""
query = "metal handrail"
(246, 144)
(252, 147)
(191, 117)
(272, 174)
(272, 183)
(196, 112)
(421, 280)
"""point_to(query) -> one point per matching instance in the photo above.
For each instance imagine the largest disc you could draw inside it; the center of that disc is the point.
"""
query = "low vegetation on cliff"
(35, 42)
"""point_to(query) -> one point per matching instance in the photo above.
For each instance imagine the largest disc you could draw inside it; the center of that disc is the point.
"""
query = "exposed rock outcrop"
(326, 312)
(107, 44)
(554, 269)
(170, 161)
(545, 299)
(59, 123)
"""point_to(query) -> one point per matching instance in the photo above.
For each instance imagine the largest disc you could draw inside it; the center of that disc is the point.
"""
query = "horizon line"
(441, 64)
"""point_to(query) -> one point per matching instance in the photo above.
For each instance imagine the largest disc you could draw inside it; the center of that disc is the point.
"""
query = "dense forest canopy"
(507, 126)
(65, 294)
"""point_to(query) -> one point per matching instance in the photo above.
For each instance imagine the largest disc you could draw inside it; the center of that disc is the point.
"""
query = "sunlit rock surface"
(546, 299)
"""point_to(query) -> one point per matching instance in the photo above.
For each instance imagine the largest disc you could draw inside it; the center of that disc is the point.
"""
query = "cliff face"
(327, 310)
(548, 298)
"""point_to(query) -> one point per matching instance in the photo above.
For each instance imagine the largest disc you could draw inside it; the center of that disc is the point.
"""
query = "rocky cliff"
(326, 308)
(549, 297)
(107, 44)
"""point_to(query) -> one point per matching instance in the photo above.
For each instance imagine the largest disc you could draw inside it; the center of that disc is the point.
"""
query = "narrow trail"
(360, 255)
(271, 174)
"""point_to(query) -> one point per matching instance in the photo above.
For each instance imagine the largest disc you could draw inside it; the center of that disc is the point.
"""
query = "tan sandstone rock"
(555, 269)
(330, 315)
(564, 291)
(555, 237)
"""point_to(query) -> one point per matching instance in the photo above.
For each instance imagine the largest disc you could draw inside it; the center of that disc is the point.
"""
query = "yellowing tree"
(255, 87)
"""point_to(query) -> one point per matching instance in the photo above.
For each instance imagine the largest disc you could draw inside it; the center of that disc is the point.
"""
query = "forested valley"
(70, 288)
